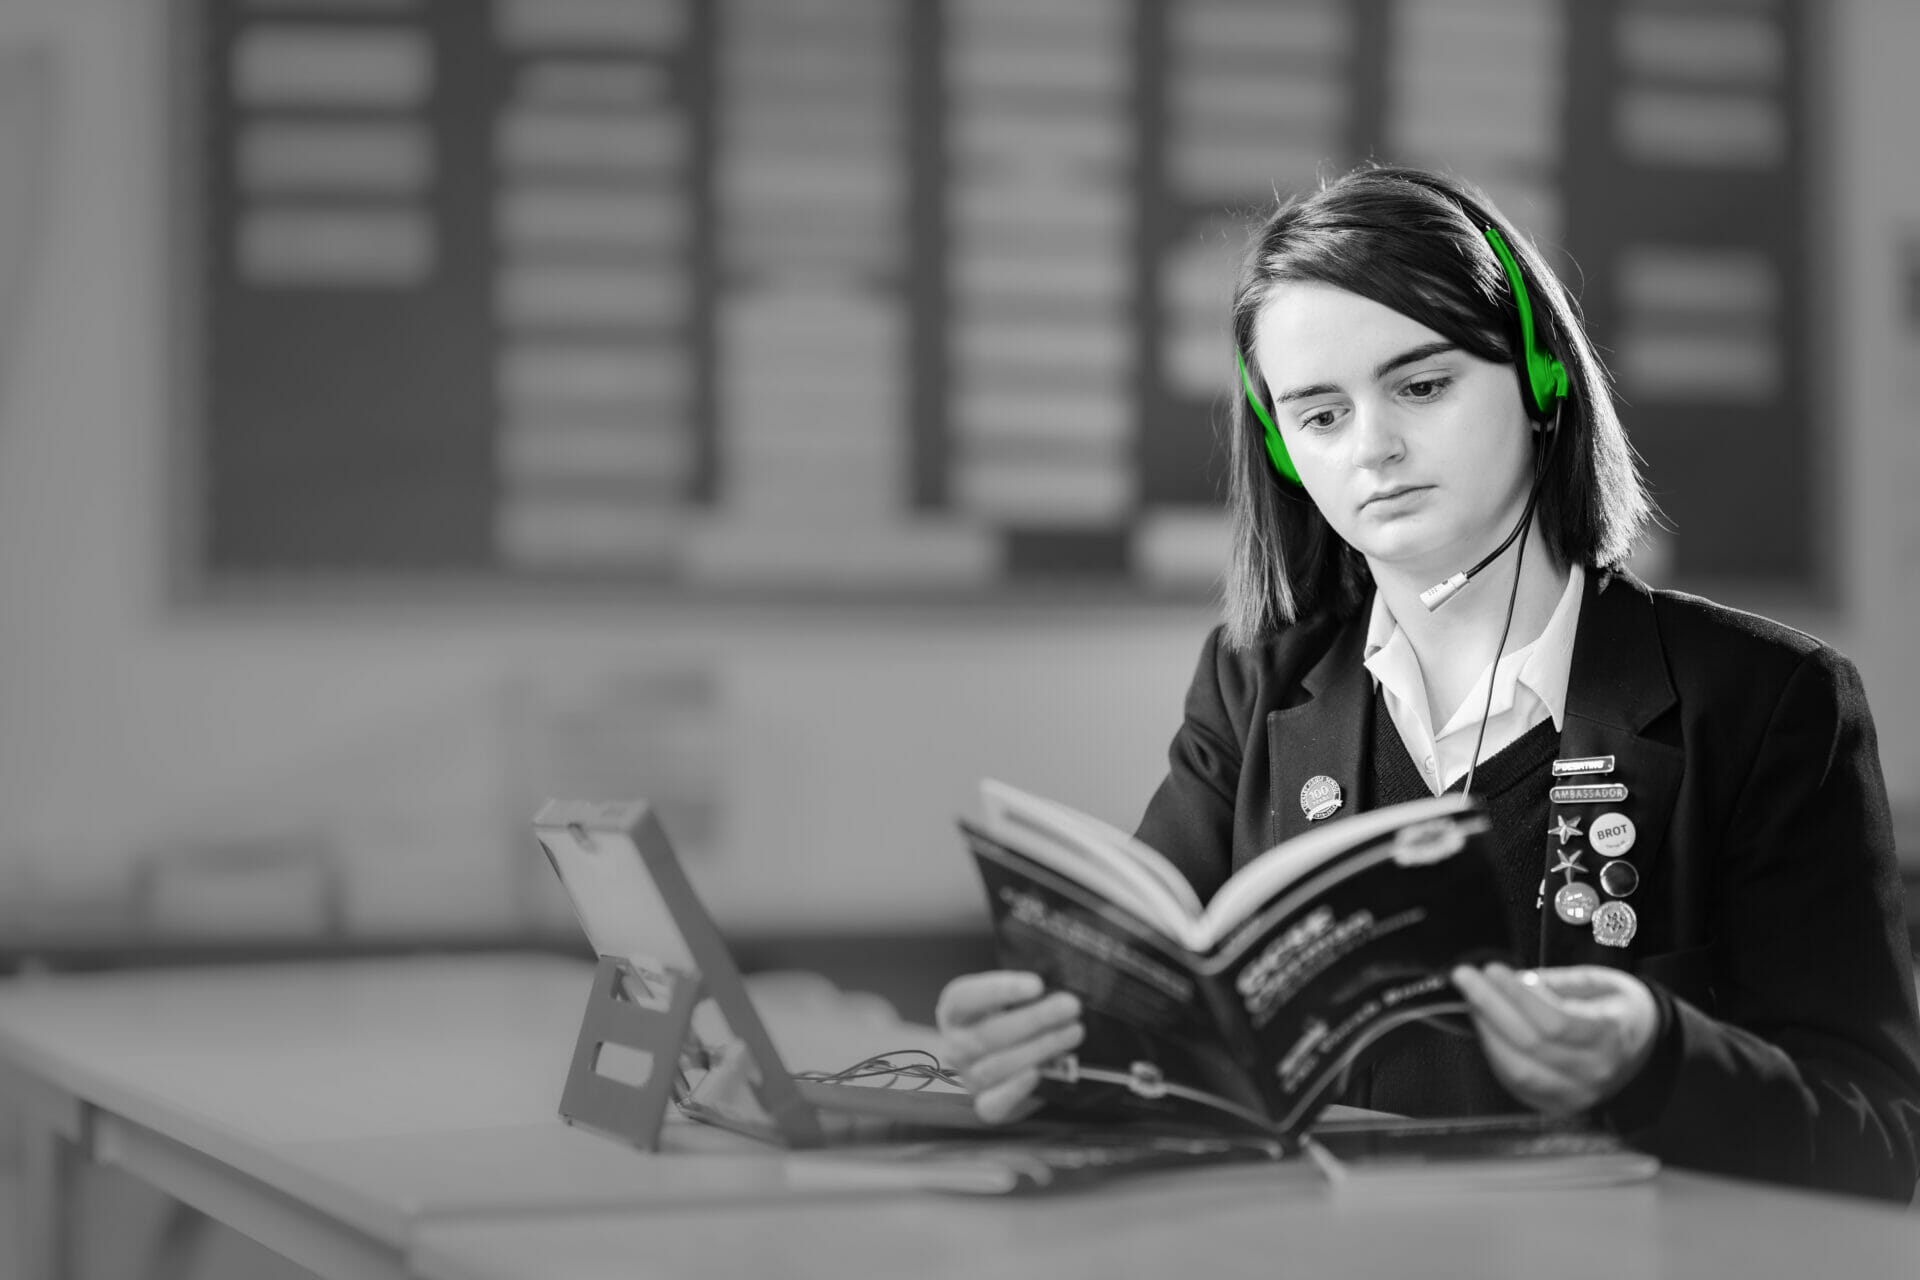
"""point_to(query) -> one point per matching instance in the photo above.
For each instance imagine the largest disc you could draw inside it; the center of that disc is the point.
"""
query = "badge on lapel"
(1611, 835)
(1320, 798)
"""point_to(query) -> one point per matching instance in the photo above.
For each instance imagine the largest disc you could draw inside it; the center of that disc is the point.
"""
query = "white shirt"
(1529, 686)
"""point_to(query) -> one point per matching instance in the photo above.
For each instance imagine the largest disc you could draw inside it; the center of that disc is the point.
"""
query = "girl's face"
(1418, 453)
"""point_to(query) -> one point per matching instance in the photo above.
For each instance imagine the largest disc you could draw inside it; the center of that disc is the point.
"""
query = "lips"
(1394, 493)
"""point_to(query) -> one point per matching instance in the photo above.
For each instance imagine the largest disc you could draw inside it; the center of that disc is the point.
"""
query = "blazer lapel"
(1322, 736)
(1616, 688)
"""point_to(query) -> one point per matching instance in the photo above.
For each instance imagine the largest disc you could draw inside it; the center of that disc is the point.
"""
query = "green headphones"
(1546, 380)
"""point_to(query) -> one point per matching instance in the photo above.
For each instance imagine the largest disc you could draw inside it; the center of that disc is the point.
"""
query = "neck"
(1465, 629)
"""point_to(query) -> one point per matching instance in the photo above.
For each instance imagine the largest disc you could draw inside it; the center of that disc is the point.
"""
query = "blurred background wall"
(795, 411)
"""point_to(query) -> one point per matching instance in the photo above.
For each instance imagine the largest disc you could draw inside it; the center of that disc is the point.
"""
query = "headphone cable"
(1519, 559)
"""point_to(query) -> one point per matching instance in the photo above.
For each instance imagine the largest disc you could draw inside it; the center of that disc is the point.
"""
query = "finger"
(990, 1070)
(1003, 1100)
(1012, 1027)
(1581, 981)
(1538, 1086)
(1621, 1012)
(1548, 1074)
(1538, 1083)
(973, 996)
(1493, 1011)
(1528, 996)
(1573, 1056)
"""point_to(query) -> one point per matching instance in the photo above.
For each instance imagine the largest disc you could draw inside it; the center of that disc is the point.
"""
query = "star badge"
(1565, 828)
(1569, 862)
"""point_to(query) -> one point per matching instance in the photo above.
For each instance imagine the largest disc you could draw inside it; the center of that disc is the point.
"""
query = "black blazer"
(1771, 925)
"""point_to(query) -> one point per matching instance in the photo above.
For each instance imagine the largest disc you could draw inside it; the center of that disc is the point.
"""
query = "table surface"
(386, 1091)
(1218, 1221)
(1231, 1221)
(416, 1100)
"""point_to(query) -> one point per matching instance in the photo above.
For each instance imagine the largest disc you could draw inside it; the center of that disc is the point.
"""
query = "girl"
(1692, 828)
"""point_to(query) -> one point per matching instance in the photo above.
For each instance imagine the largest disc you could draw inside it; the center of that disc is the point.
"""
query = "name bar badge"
(1588, 793)
(1575, 766)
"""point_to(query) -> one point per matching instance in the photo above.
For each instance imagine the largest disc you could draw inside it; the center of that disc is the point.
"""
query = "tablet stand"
(650, 1013)
(655, 1029)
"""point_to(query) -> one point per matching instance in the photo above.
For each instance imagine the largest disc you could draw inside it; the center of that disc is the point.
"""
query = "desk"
(1241, 1221)
(391, 1118)
(327, 1110)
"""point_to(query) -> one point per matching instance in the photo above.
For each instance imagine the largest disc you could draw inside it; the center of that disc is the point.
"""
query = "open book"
(1247, 1010)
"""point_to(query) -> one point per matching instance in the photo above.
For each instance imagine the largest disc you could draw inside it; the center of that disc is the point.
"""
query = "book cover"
(1485, 1153)
(1247, 1012)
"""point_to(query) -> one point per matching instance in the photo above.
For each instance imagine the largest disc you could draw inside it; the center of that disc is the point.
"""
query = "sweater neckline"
(1496, 775)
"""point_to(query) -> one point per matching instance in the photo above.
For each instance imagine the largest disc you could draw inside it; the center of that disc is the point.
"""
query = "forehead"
(1312, 332)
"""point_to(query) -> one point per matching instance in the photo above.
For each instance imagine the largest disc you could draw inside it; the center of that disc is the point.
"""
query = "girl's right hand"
(999, 1030)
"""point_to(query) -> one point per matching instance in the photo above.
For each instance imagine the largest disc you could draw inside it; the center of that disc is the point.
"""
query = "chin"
(1413, 557)
(1399, 552)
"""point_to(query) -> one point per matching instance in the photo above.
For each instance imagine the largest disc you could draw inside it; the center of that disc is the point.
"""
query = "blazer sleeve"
(1808, 1068)
(1190, 817)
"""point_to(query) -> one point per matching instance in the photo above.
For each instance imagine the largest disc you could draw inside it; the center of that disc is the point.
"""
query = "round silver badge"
(1320, 797)
(1619, 878)
(1614, 924)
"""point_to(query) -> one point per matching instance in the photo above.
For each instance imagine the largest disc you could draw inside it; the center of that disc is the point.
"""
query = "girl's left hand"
(1562, 1039)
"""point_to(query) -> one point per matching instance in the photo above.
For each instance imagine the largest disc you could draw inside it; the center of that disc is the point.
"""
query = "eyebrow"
(1381, 370)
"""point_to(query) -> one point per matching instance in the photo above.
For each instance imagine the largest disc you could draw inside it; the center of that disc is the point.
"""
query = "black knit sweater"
(1419, 1070)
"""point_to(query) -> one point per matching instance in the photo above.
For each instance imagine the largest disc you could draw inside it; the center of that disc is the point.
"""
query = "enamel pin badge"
(1575, 902)
(1614, 924)
(1588, 793)
(1612, 835)
(1320, 797)
(1619, 878)
(1580, 766)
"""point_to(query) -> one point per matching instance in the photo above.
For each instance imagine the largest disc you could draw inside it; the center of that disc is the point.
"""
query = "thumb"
(1581, 981)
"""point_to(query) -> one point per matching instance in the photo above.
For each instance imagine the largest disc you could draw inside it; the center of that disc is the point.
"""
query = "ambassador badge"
(1575, 902)
(1614, 924)
(1320, 797)
(1587, 793)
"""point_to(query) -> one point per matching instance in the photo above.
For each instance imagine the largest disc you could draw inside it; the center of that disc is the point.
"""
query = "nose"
(1376, 437)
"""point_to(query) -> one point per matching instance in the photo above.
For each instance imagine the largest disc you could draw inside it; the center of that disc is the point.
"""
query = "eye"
(1314, 421)
(1437, 387)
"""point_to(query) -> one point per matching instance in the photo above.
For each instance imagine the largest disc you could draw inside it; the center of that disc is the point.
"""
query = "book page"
(1154, 1042)
(1097, 854)
(1256, 884)
(1103, 879)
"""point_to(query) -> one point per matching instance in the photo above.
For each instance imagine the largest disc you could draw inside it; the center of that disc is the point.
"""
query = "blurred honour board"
(908, 300)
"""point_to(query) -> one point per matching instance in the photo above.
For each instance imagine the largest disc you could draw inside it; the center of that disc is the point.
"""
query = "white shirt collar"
(1544, 666)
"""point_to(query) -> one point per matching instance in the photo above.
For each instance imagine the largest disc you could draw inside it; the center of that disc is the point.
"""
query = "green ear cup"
(1546, 376)
(1277, 451)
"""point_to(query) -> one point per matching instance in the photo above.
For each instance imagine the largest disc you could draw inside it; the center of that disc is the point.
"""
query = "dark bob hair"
(1415, 241)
